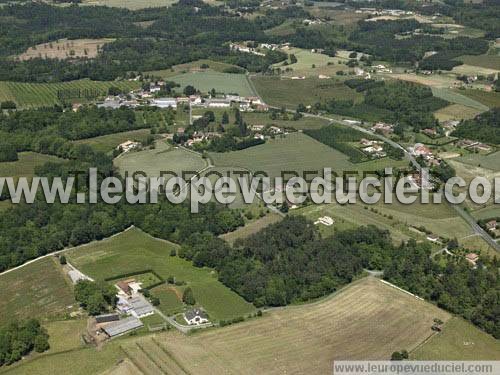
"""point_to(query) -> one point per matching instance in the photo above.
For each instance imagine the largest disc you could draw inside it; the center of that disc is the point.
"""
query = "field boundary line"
(402, 290)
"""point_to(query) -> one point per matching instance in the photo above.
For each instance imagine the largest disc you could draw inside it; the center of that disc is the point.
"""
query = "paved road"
(461, 212)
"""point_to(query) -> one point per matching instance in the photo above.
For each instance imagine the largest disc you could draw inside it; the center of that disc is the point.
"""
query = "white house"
(196, 317)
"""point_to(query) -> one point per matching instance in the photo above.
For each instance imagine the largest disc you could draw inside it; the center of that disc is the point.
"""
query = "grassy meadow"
(135, 251)
(251, 228)
(163, 158)
(490, 99)
(38, 290)
(25, 166)
(290, 93)
(107, 143)
(455, 96)
(459, 340)
(130, 4)
(30, 95)
(295, 152)
(205, 81)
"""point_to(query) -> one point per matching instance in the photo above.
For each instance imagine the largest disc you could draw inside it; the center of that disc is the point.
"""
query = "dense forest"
(485, 127)
(18, 339)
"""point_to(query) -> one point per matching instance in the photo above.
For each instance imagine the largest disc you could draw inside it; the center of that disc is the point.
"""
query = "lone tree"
(188, 296)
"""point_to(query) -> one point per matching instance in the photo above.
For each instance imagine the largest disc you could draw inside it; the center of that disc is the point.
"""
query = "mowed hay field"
(65, 48)
(205, 81)
(459, 340)
(37, 290)
(367, 320)
(161, 159)
(490, 99)
(30, 95)
(295, 152)
(456, 112)
(251, 228)
(135, 251)
(457, 98)
(290, 93)
(107, 143)
(25, 166)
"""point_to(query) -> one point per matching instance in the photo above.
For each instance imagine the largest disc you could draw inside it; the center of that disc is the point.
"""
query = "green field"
(323, 64)
(484, 61)
(170, 304)
(107, 143)
(290, 93)
(222, 82)
(163, 158)
(295, 152)
(38, 290)
(251, 228)
(490, 99)
(25, 166)
(459, 340)
(28, 95)
(490, 161)
(135, 251)
(458, 98)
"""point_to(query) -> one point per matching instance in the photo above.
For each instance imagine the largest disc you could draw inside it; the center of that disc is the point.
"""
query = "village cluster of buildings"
(421, 150)
(144, 98)
(385, 12)
(382, 128)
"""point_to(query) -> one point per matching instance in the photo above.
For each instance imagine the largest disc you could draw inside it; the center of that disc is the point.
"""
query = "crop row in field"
(29, 95)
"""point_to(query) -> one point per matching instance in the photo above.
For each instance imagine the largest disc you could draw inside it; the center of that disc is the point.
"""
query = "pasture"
(454, 96)
(456, 112)
(31, 95)
(163, 158)
(366, 320)
(205, 81)
(490, 99)
(65, 48)
(489, 161)
(290, 93)
(484, 61)
(295, 152)
(25, 166)
(459, 340)
(38, 290)
(323, 64)
(170, 298)
(107, 143)
(134, 251)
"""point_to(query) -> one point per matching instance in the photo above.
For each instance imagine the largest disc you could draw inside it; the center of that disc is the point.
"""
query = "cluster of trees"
(18, 339)
(94, 297)
(484, 127)
(289, 262)
(361, 84)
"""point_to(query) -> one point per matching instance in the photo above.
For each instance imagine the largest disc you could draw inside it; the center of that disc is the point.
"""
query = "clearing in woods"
(251, 228)
(38, 290)
(130, 4)
(456, 112)
(65, 49)
(367, 320)
(31, 95)
(135, 251)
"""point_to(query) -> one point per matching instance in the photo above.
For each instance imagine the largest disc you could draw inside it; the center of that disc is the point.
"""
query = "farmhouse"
(491, 225)
(325, 220)
(472, 258)
(421, 150)
(257, 128)
(128, 145)
(431, 132)
(381, 127)
(196, 316)
(122, 326)
(433, 238)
